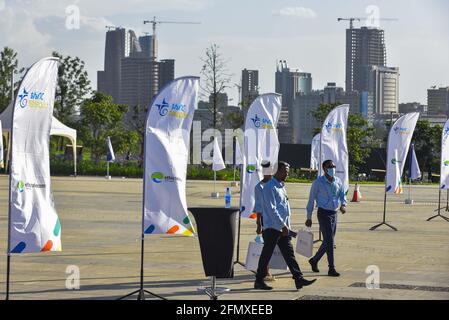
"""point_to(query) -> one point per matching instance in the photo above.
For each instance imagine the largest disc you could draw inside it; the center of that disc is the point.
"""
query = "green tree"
(137, 121)
(73, 87)
(101, 118)
(359, 135)
(427, 140)
(8, 64)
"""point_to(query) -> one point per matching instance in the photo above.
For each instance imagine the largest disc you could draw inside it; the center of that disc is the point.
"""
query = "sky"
(251, 34)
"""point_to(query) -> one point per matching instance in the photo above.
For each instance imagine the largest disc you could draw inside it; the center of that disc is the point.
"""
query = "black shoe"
(262, 286)
(333, 273)
(303, 283)
(314, 266)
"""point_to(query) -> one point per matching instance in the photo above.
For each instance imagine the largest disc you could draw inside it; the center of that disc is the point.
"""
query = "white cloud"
(299, 12)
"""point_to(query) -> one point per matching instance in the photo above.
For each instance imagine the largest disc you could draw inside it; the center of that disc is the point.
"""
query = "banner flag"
(260, 143)
(315, 153)
(1, 147)
(415, 171)
(34, 223)
(399, 139)
(238, 154)
(333, 143)
(110, 157)
(217, 160)
(167, 145)
(444, 173)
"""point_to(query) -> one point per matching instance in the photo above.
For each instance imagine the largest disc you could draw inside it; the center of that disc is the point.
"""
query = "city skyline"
(304, 33)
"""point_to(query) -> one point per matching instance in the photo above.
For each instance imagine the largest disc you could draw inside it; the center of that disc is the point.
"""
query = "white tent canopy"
(57, 129)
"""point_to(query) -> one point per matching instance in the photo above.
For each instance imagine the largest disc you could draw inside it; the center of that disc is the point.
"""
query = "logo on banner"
(250, 168)
(335, 128)
(263, 123)
(159, 177)
(177, 110)
(33, 100)
(446, 163)
(401, 130)
(21, 186)
(394, 161)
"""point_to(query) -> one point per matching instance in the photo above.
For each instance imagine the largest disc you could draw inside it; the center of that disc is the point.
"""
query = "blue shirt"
(276, 209)
(328, 195)
(258, 197)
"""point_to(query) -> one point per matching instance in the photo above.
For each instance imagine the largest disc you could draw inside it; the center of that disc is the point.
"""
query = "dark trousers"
(271, 238)
(328, 226)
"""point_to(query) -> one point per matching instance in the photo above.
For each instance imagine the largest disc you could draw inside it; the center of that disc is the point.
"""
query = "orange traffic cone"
(357, 195)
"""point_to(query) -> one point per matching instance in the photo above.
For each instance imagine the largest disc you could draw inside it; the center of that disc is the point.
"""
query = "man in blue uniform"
(328, 193)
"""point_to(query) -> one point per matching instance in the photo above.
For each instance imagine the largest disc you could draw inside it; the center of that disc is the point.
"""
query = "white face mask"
(331, 172)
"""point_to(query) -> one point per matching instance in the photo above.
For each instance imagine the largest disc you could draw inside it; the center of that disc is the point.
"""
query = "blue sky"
(251, 34)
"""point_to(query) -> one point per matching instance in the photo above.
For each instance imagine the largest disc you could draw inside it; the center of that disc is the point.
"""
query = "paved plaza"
(101, 235)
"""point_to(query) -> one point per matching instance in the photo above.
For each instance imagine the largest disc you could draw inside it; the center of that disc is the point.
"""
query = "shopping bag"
(304, 245)
(252, 257)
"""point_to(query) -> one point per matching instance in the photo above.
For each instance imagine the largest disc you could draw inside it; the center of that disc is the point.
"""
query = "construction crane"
(352, 19)
(110, 27)
(155, 22)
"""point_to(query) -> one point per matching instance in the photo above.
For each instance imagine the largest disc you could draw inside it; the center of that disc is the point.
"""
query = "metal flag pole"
(439, 199)
(107, 170)
(410, 200)
(141, 291)
(318, 175)
(439, 209)
(447, 200)
(242, 167)
(385, 191)
(8, 255)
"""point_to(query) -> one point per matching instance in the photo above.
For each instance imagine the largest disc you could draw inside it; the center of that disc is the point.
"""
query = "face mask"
(331, 172)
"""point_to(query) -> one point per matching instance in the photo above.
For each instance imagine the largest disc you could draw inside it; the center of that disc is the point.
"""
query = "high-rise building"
(166, 72)
(365, 47)
(146, 43)
(438, 101)
(131, 75)
(116, 48)
(136, 84)
(383, 82)
(291, 82)
(250, 86)
(412, 107)
(304, 123)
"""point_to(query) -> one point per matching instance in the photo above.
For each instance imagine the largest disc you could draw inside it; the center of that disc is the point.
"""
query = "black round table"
(216, 228)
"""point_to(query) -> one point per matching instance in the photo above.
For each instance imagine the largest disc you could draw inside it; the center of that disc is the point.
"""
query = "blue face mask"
(331, 172)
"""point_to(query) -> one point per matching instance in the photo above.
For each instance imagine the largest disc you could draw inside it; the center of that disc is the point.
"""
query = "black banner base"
(381, 224)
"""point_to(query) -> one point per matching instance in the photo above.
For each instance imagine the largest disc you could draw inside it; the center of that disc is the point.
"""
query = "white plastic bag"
(252, 257)
(304, 244)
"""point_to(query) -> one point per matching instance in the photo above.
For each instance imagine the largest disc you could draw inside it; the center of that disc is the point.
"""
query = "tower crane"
(352, 19)
(154, 23)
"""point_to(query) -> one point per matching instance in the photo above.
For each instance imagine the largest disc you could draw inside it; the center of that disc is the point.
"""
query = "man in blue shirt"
(329, 194)
(258, 206)
(276, 224)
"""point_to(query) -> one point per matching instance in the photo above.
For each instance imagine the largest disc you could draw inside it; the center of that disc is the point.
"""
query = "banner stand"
(141, 291)
(439, 209)
(215, 194)
(385, 211)
(107, 171)
(447, 200)
(237, 260)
